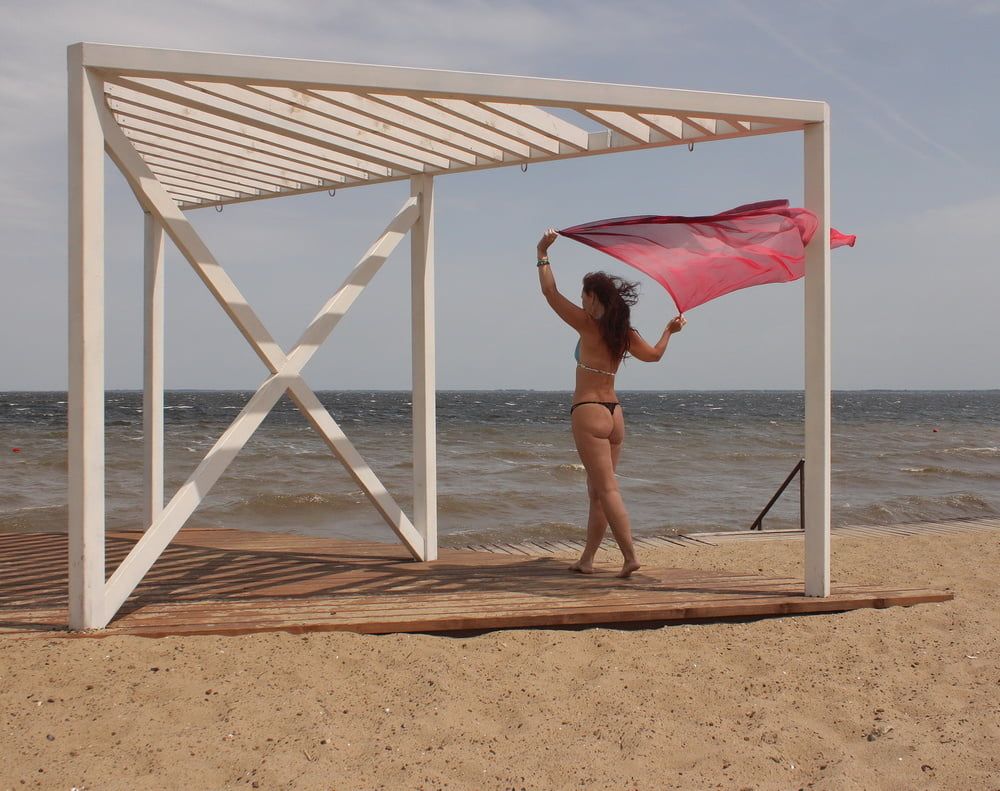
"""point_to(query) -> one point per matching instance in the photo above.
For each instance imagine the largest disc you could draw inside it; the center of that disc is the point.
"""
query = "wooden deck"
(236, 582)
(718, 538)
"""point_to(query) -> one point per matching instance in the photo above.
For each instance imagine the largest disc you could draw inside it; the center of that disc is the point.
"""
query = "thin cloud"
(877, 103)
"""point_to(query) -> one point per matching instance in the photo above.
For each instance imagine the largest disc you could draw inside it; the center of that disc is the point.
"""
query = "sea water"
(507, 466)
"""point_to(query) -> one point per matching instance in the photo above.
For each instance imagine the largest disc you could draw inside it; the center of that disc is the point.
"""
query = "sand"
(902, 698)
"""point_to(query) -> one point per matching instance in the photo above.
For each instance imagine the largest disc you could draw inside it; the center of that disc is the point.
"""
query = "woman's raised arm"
(572, 314)
(641, 350)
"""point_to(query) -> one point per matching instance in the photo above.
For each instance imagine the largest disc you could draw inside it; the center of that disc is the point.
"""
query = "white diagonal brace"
(321, 420)
(154, 198)
(196, 488)
(323, 323)
(187, 498)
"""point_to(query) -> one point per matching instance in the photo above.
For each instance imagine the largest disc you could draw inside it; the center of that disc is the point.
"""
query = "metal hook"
(524, 167)
(690, 146)
(331, 193)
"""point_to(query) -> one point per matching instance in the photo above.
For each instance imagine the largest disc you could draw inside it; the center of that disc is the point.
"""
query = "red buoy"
(15, 450)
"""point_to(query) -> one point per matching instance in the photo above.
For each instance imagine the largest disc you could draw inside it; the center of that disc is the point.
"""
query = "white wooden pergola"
(190, 130)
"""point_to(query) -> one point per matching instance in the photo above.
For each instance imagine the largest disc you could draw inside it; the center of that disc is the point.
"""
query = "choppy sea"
(507, 467)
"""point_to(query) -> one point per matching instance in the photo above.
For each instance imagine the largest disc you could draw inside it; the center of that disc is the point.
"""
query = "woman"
(606, 335)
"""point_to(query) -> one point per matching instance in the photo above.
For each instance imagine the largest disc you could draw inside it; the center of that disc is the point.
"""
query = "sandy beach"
(901, 698)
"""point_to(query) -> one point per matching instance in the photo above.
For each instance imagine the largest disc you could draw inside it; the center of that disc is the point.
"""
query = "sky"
(912, 86)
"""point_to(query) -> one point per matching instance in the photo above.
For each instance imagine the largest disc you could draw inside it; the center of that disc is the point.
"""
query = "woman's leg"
(597, 521)
(596, 432)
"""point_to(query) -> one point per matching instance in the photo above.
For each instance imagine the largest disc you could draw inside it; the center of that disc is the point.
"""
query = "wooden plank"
(235, 582)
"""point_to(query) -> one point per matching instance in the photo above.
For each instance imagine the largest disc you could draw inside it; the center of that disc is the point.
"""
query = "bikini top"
(579, 364)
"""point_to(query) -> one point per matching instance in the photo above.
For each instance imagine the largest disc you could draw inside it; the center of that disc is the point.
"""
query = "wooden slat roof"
(219, 129)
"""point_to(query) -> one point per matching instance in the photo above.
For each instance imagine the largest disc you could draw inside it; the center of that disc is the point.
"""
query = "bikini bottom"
(610, 405)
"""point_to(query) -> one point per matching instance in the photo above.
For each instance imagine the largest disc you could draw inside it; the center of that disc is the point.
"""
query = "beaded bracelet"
(542, 262)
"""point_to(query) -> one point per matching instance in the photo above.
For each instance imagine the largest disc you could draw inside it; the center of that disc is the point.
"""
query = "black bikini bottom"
(610, 405)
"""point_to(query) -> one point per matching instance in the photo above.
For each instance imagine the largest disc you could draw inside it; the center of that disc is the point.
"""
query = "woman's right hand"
(547, 239)
(677, 323)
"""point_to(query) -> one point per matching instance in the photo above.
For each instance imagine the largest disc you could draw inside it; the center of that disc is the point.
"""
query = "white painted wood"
(624, 124)
(85, 399)
(285, 371)
(666, 124)
(277, 134)
(155, 199)
(187, 498)
(487, 119)
(226, 448)
(301, 126)
(542, 121)
(152, 376)
(141, 61)
(176, 164)
(817, 363)
(187, 136)
(424, 391)
(704, 126)
(387, 133)
(206, 190)
(357, 467)
(379, 112)
(214, 162)
(309, 127)
(449, 120)
(155, 127)
(166, 169)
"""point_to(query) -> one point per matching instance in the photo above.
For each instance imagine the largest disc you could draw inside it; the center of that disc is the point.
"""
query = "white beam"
(85, 408)
(152, 387)
(424, 391)
(141, 61)
(817, 362)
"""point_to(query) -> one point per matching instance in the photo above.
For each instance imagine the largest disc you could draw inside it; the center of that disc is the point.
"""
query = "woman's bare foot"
(583, 566)
(628, 567)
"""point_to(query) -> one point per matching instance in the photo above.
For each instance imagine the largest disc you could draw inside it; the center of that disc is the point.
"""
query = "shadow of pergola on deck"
(224, 581)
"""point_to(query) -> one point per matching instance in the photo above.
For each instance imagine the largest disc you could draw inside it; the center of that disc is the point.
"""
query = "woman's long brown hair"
(616, 297)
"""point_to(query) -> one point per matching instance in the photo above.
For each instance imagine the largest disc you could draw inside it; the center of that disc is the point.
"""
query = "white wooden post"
(817, 362)
(424, 384)
(86, 349)
(152, 391)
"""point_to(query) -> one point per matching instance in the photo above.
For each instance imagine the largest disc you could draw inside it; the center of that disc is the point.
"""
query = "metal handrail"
(758, 523)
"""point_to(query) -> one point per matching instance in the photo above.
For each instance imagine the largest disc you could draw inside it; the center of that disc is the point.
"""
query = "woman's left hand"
(677, 323)
(547, 239)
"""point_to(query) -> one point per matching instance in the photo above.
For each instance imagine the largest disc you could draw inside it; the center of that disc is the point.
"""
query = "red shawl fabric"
(700, 258)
